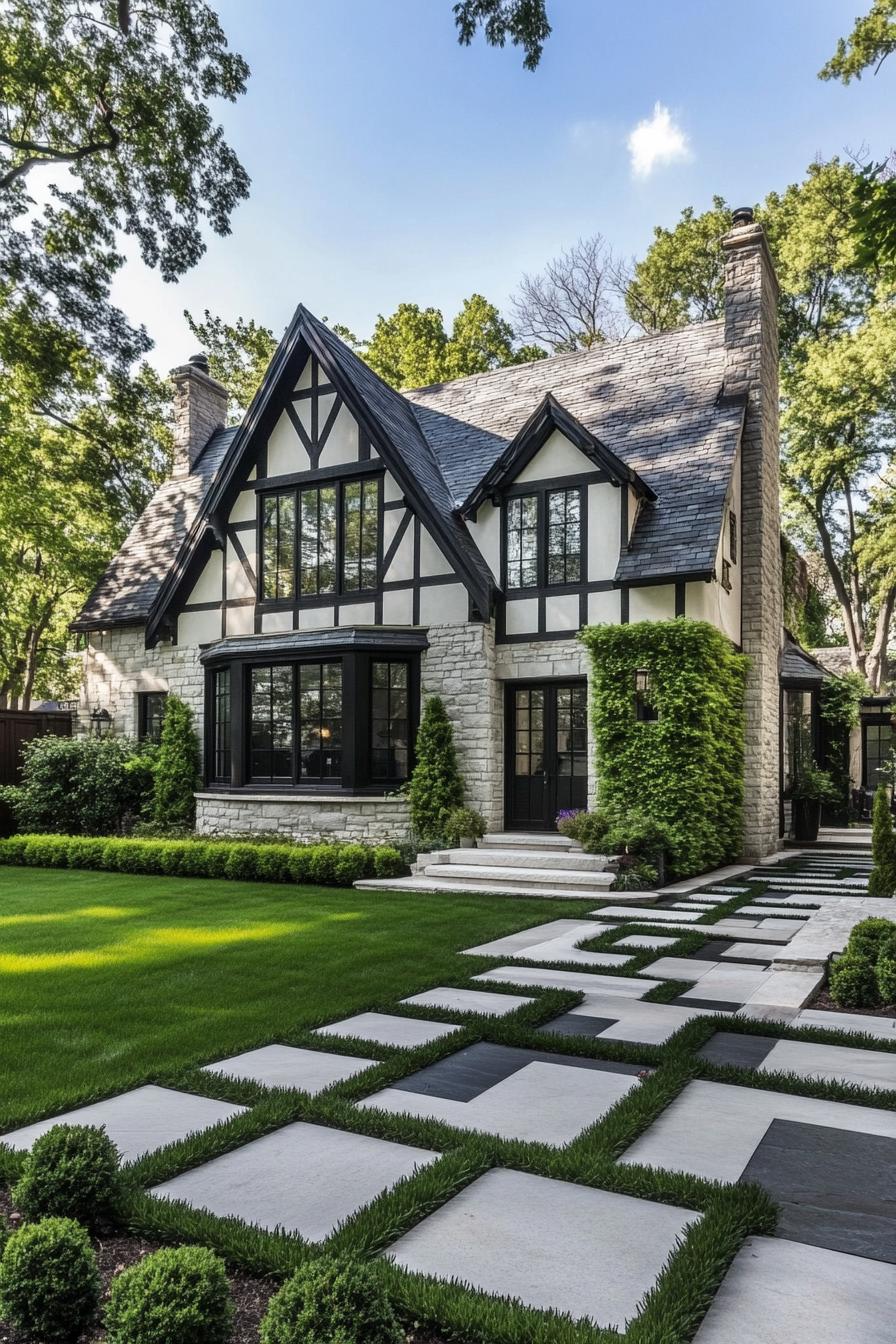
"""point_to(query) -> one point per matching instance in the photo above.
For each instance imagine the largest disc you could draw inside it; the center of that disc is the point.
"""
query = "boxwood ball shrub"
(179, 1295)
(868, 937)
(675, 752)
(72, 1171)
(331, 1302)
(49, 1283)
(853, 982)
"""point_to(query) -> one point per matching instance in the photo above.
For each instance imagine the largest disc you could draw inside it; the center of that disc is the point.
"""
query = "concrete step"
(523, 858)
(527, 840)
(532, 878)
(435, 885)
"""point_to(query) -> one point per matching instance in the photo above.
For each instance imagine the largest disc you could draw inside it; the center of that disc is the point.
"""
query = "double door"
(547, 752)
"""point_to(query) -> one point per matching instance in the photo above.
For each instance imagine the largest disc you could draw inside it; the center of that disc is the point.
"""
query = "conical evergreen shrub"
(177, 769)
(882, 879)
(436, 786)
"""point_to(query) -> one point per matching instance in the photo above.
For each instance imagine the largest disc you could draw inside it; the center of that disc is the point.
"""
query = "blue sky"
(390, 164)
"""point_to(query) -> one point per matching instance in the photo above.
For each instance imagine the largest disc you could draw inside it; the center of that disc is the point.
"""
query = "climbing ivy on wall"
(684, 767)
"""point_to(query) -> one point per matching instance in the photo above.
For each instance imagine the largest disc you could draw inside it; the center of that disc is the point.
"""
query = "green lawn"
(108, 980)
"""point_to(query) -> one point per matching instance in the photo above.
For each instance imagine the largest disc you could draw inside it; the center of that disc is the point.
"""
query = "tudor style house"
(306, 579)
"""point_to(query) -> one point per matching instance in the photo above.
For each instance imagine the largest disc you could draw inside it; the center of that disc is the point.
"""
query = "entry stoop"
(508, 864)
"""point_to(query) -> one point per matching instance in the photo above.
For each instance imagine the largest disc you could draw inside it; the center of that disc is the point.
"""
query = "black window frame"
(732, 536)
(277, 497)
(221, 714)
(390, 778)
(542, 492)
(356, 775)
(339, 484)
(144, 718)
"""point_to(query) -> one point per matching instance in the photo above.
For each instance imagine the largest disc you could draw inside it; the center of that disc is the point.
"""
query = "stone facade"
(370, 820)
(751, 339)
(118, 667)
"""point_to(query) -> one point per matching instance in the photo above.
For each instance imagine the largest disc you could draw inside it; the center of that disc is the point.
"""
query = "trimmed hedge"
(864, 975)
(683, 768)
(334, 863)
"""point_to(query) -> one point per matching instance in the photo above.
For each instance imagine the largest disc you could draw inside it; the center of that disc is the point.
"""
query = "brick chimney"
(751, 370)
(200, 407)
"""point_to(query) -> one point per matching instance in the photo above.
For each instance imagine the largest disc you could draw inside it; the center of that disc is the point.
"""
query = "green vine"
(685, 767)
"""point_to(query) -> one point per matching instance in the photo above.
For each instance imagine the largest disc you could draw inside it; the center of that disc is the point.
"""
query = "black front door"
(547, 752)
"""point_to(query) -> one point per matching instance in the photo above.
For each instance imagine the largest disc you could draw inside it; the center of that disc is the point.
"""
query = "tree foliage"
(871, 41)
(436, 787)
(838, 381)
(238, 355)
(882, 878)
(574, 303)
(177, 769)
(525, 22)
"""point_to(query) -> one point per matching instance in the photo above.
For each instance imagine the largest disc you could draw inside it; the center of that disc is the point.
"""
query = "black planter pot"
(806, 819)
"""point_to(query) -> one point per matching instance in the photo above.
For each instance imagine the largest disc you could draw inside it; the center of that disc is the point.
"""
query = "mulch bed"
(117, 1251)
(824, 1001)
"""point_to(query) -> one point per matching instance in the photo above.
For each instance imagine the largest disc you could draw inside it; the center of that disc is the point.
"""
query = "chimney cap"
(199, 361)
(742, 215)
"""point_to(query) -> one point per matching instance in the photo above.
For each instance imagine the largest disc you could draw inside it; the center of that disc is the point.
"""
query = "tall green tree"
(838, 382)
(871, 41)
(238, 355)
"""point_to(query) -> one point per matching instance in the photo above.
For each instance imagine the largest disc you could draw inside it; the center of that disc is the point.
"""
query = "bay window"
(318, 714)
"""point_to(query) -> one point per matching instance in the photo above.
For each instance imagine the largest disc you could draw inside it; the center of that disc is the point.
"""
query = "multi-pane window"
(279, 545)
(528, 729)
(522, 542)
(296, 706)
(221, 724)
(360, 534)
(564, 536)
(150, 713)
(572, 730)
(732, 536)
(878, 744)
(271, 724)
(389, 720)
(320, 721)
(317, 540)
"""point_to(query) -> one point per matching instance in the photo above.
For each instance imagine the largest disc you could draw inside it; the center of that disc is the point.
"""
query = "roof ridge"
(566, 356)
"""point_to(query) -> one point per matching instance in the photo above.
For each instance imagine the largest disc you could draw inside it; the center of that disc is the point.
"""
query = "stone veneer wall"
(751, 340)
(370, 820)
(118, 666)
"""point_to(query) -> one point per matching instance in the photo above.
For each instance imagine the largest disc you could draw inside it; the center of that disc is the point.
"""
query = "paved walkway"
(601, 1105)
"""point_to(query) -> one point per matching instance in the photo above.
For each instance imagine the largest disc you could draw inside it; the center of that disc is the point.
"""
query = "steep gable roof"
(655, 403)
(549, 415)
(125, 593)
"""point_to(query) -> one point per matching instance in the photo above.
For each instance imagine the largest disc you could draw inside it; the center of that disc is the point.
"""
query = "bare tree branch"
(575, 303)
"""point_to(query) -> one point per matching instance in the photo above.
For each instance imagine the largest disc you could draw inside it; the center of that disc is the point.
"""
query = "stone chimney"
(751, 371)
(200, 407)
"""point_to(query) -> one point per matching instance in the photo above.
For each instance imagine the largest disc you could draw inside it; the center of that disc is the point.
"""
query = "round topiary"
(178, 1295)
(331, 1302)
(49, 1284)
(868, 936)
(852, 982)
(72, 1171)
(885, 972)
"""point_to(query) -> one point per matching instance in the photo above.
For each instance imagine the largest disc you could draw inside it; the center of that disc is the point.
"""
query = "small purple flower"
(567, 813)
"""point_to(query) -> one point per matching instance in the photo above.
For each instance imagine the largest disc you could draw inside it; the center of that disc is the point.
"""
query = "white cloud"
(657, 141)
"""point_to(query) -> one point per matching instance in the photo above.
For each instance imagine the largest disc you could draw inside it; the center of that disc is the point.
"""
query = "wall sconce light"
(100, 722)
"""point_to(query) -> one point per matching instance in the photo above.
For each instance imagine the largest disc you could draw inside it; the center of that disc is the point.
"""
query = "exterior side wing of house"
(306, 580)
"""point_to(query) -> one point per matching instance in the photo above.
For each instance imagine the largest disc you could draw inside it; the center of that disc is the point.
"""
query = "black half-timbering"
(332, 710)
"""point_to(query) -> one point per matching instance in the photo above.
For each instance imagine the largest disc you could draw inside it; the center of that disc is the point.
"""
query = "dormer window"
(543, 538)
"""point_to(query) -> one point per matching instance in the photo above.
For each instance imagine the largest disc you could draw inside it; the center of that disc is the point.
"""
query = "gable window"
(360, 533)
(279, 545)
(522, 542)
(732, 537)
(321, 540)
(564, 536)
(317, 541)
(389, 720)
(150, 713)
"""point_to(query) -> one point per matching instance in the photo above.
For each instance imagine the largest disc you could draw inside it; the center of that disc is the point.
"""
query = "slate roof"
(795, 664)
(125, 593)
(655, 404)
